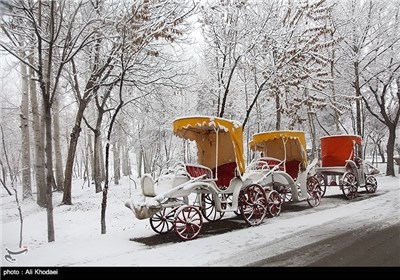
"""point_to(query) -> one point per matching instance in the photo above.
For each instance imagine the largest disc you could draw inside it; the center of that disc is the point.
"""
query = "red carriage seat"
(226, 172)
(292, 168)
(195, 170)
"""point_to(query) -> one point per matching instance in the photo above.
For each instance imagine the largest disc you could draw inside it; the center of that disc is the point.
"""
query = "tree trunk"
(126, 163)
(278, 111)
(390, 151)
(25, 141)
(139, 155)
(359, 118)
(90, 147)
(102, 165)
(358, 99)
(86, 173)
(69, 165)
(38, 136)
(226, 88)
(97, 161)
(57, 143)
(332, 86)
(148, 155)
(49, 174)
(311, 123)
(381, 152)
(117, 162)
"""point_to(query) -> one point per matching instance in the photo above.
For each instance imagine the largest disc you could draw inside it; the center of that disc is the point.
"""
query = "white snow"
(80, 243)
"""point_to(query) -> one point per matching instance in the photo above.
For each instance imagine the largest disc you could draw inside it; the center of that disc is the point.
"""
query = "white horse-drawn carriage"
(217, 180)
(284, 153)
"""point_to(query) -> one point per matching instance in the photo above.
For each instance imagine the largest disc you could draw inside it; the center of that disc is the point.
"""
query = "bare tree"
(101, 101)
(97, 73)
(373, 43)
(230, 32)
(47, 27)
(136, 48)
(293, 55)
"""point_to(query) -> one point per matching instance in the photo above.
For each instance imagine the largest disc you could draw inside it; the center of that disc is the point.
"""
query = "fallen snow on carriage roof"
(79, 242)
(235, 123)
(340, 135)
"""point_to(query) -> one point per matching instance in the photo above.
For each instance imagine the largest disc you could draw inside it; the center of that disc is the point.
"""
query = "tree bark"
(390, 151)
(117, 162)
(332, 86)
(97, 161)
(91, 152)
(226, 88)
(126, 163)
(358, 99)
(57, 143)
(278, 110)
(381, 152)
(139, 160)
(49, 175)
(102, 164)
(38, 136)
(71, 153)
(25, 141)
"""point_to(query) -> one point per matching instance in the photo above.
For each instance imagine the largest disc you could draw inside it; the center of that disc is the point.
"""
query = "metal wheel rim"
(349, 185)
(371, 184)
(161, 222)
(188, 222)
(274, 203)
(314, 191)
(253, 205)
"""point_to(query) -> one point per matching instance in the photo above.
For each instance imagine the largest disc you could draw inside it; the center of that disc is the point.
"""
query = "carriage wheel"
(188, 222)
(371, 184)
(348, 185)
(208, 208)
(314, 191)
(274, 203)
(253, 204)
(163, 221)
(322, 185)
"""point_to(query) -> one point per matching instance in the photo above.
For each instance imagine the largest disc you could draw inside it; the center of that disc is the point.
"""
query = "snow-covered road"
(79, 243)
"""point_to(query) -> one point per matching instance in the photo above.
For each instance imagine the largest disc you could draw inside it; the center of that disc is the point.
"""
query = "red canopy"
(335, 150)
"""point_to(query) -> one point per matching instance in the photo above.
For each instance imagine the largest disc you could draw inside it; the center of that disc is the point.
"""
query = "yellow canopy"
(203, 129)
(277, 144)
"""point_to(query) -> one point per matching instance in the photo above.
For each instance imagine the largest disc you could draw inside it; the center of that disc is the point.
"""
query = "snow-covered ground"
(80, 243)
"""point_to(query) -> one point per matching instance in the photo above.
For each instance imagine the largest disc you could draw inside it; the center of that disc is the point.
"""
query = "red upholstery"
(225, 174)
(196, 171)
(292, 168)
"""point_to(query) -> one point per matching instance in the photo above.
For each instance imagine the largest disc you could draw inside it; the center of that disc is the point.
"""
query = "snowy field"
(80, 243)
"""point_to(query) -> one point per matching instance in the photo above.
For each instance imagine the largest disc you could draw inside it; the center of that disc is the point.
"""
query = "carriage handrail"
(158, 198)
(265, 160)
(273, 169)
